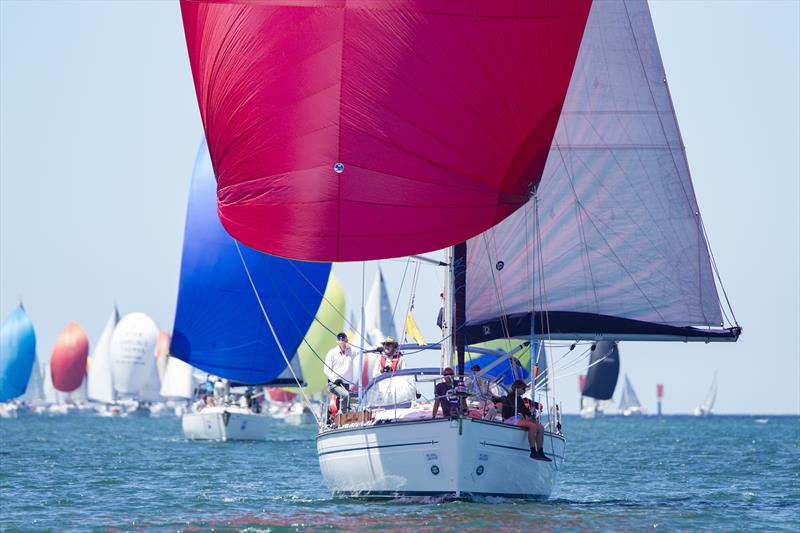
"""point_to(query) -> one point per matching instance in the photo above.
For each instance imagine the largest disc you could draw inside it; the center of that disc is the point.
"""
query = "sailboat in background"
(601, 379)
(133, 362)
(704, 409)
(629, 403)
(99, 381)
(68, 369)
(230, 300)
(572, 222)
(17, 359)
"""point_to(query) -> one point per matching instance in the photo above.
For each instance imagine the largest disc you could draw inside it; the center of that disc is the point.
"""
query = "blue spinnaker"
(219, 324)
(17, 354)
(502, 372)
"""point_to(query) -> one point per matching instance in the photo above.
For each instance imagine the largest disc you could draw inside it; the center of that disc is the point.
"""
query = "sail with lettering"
(132, 350)
(319, 115)
(231, 298)
(68, 359)
(17, 354)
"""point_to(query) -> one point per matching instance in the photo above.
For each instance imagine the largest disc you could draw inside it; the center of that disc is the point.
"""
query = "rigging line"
(322, 294)
(410, 309)
(716, 271)
(498, 293)
(274, 334)
(681, 147)
(397, 300)
(570, 171)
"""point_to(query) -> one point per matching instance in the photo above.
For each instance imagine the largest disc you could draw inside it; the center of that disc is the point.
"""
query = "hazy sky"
(99, 128)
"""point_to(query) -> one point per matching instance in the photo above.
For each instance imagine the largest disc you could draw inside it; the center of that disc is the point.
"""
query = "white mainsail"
(177, 382)
(132, 350)
(100, 387)
(619, 236)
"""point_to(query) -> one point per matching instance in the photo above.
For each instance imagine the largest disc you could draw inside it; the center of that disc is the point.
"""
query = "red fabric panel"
(442, 114)
(68, 359)
(280, 395)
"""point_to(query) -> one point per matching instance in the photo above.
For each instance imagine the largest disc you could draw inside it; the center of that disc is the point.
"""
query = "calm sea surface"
(75, 473)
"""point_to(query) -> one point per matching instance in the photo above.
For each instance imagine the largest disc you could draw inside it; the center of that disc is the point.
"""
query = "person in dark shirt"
(444, 395)
(516, 412)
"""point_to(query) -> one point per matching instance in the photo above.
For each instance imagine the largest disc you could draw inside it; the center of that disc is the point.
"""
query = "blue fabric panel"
(219, 325)
(17, 354)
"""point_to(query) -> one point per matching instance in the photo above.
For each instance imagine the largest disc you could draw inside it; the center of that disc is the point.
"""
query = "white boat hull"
(453, 459)
(225, 424)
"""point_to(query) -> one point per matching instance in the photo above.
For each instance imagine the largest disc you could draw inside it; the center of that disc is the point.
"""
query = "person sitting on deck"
(445, 395)
(391, 360)
(515, 412)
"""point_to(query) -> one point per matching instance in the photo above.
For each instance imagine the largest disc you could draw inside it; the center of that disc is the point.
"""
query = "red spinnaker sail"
(68, 359)
(360, 129)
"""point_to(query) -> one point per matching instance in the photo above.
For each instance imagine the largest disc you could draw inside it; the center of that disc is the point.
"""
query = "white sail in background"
(151, 390)
(34, 392)
(378, 318)
(133, 346)
(100, 387)
(629, 400)
(619, 233)
(177, 382)
(711, 398)
(79, 395)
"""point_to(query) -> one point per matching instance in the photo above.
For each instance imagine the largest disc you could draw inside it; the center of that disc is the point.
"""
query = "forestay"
(621, 243)
(219, 324)
(346, 130)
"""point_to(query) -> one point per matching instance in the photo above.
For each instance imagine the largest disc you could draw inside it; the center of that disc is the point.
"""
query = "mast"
(459, 300)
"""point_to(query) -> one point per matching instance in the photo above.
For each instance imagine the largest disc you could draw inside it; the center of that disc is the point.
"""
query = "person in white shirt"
(339, 369)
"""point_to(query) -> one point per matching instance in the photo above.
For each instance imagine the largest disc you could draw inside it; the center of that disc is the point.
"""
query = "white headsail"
(100, 387)
(177, 382)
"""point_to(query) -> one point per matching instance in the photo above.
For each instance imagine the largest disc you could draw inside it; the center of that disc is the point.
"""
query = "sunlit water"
(75, 473)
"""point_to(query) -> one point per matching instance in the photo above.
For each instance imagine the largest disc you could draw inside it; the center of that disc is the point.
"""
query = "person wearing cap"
(339, 370)
(516, 412)
(391, 360)
(445, 396)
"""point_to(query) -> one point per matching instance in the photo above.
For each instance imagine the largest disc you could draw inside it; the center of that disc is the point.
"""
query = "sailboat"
(554, 174)
(17, 359)
(704, 409)
(601, 378)
(230, 299)
(629, 403)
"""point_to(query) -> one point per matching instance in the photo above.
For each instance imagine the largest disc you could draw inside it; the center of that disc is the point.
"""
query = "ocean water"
(76, 473)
